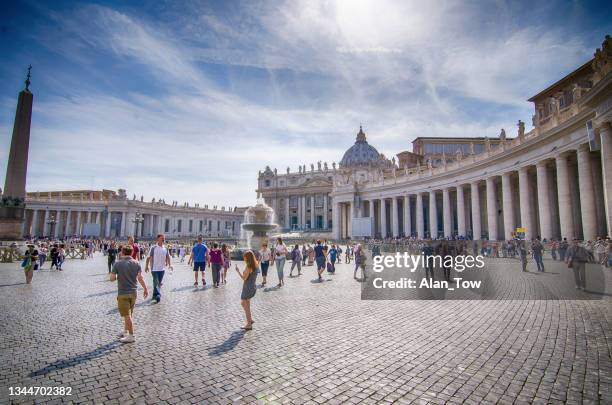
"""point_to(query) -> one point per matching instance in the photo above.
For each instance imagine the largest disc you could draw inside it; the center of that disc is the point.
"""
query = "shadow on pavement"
(10, 285)
(228, 345)
(76, 360)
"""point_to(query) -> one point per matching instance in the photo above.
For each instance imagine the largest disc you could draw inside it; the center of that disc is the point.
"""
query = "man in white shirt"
(158, 260)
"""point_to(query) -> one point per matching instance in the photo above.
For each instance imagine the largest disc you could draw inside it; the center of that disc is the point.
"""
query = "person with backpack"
(333, 256)
(576, 258)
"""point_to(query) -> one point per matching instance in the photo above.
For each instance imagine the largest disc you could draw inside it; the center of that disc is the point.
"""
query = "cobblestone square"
(311, 343)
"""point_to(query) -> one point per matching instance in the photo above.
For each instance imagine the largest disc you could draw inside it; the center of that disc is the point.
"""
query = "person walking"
(227, 262)
(563, 246)
(249, 278)
(280, 257)
(158, 261)
(320, 252)
(358, 251)
(304, 255)
(127, 272)
(111, 253)
(30, 263)
(522, 252)
(54, 253)
(198, 256)
(576, 258)
(135, 248)
(333, 256)
(216, 263)
(42, 256)
(265, 255)
(537, 248)
(296, 258)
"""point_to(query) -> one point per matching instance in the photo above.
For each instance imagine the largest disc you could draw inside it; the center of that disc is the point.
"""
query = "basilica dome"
(361, 153)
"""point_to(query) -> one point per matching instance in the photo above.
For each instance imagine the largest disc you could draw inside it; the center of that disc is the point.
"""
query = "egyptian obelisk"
(12, 205)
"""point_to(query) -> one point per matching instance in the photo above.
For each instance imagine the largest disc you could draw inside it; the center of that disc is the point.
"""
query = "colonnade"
(301, 211)
(567, 195)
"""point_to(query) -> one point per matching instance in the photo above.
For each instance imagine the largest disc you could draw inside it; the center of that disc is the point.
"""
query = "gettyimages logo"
(455, 271)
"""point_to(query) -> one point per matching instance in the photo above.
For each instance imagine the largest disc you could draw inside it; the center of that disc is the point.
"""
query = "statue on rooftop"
(312, 167)
(521, 130)
(319, 165)
(325, 166)
(502, 135)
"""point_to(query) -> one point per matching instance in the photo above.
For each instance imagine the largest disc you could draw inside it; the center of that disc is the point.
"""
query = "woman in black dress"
(249, 276)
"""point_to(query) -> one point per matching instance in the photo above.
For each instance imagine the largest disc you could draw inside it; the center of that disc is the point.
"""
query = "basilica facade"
(553, 181)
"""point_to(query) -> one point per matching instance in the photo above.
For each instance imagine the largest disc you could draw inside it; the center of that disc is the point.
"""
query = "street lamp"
(138, 219)
(51, 221)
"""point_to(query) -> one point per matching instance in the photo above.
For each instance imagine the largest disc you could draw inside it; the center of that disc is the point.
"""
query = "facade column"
(312, 212)
(476, 224)
(508, 205)
(525, 202)
(491, 208)
(336, 224)
(433, 215)
(349, 219)
(587, 200)
(78, 223)
(605, 133)
(34, 230)
(58, 223)
(565, 199)
(287, 215)
(303, 212)
(46, 223)
(394, 218)
(325, 209)
(420, 222)
(108, 224)
(544, 211)
(461, 211)
(407, 218)
(383, 218)
(68, 223)
(446, 213)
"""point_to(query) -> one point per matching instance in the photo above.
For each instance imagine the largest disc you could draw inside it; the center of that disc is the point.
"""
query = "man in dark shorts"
(320, 258)
(199, 254)
(127, 272)
(112, 253)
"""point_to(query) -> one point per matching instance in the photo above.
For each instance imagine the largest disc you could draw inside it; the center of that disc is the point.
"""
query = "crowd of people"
(124, 261)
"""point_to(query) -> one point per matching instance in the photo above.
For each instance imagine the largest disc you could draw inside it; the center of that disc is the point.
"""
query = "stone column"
(564, 197)
(287, 213)
(68, 223)
(325, 209)
(544, 201)
(460, 211)
(34, 230)
(303, 212)
(312, 212)
(433, 215)
(525, 203)
(336, 224)
(123, 226)
(587, 200)
(58, 223)
(491, 208)
(107, 226)
(407, 217)
(383, 218)
(508, 205)
(446, 213)
(420, 223)
(349, 218)
(78, 223)
(394, 217)
(605, 133)
(46, 223)
(476, 224)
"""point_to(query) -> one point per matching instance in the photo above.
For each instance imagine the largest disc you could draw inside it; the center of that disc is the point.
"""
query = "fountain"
(258, 221)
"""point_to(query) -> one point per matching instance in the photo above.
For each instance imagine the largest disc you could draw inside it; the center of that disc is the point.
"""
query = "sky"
(187, 100)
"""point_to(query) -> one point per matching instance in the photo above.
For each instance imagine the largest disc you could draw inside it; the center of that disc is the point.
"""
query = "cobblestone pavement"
(312, 343)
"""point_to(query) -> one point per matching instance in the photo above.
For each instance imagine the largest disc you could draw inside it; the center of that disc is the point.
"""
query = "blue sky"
(188, 100)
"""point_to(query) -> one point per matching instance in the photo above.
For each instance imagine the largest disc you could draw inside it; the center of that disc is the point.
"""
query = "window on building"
(179, 225)
(167, 225)
(293, 202)
(191, 225)
(319, 200)
(201, 226)
(267, 183)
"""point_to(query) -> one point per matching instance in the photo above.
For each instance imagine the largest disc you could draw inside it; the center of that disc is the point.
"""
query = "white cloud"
(312, 72)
